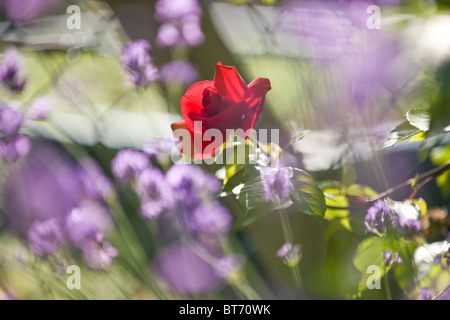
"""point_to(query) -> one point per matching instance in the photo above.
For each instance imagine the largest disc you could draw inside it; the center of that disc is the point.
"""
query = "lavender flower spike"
(390, 259)
(10, 71)
(276, 183)
(137, 62)
(291, 254)
(155, 193)
(425, 294)
(377, 217)
(128, 164)
(45, 237)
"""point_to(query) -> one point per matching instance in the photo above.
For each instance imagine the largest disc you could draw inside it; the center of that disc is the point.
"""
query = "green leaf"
(401, 132)
(368, 253)
(306, 194)
(419, 118)
(440, 106)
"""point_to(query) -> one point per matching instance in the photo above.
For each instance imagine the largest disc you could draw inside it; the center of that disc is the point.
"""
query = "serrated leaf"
(306, 194)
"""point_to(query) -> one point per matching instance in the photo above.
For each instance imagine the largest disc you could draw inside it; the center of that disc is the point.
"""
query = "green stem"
(385, 271)
(287, 231)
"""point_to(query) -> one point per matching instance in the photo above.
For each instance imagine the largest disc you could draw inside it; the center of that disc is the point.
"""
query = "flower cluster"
(52, 200)
(391, 259)
(291, 254)
(11, 76)
(13, 145)
(380, 216)
(179, 71)
(184, 189)
(180, 23)
(137, 62)
(425, 294)
(276, 183)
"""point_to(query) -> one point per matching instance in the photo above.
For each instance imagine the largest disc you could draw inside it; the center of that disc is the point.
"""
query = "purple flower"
(321, 28)
(14, 148)
(377, 217)
(406, 227)
(210, 218)
(10, 121)
(88, 222)
(10, 71)
(95, 183)
(181, 23)
(425, 294)
(99, 254)
(47, 199)
(155, 193)
(185, 33)
(166, 10)
(157, 147)
(40, 108)
(45, 186)
(276, 183)
(22, 11)
(128, 164)
(391, 259)
(185, 272)
(191, 185)
(45, 237)
(179, 71)
(137, 62)
(228, 266)
(291, 254)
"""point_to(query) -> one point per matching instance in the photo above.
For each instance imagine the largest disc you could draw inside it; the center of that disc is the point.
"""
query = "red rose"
(226, 103)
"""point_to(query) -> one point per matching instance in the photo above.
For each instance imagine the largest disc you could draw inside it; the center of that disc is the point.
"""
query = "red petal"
(259, 87)
(229, 83)
(191, 102)
(194, 146)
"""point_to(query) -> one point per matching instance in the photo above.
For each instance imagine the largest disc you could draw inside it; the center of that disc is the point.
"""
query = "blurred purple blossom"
(166, 10)
(88, 222)
(185, 272)
(377, 217)
(40, 108)
(14, 148)
(276, 183)
(155, 193)
(137, 62)
(128, 164)
(10, 121)
(181, 25)
(227, 266)
(11, 76)
(180, 71)
(158, 147)
(99, 254)
(22, 11)
(95, 183)
(12, 144)
(406, 227)
(291, 254)
(391, 259)
(425, 294)
(191, 185)
(210, 218)
(46, 199)
(45, 237)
